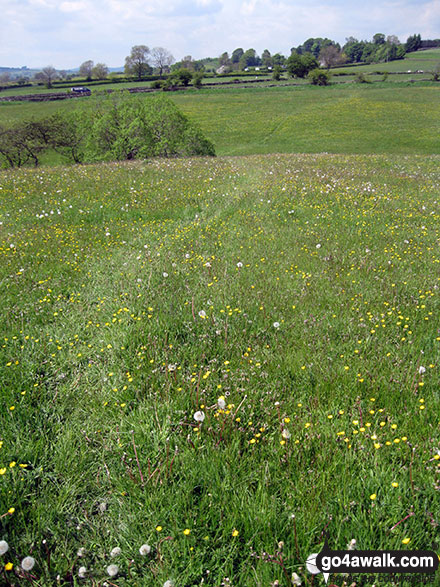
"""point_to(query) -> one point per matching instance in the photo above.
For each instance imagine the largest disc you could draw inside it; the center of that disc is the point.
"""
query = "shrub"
(362, 79)
(319, 77)
(276, 75)
(435, 73)
(197, 80)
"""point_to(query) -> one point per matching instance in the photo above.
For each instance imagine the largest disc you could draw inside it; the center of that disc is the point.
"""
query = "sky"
(65, 33)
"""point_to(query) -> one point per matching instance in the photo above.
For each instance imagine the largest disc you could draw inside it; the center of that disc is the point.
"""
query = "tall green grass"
(293, 299)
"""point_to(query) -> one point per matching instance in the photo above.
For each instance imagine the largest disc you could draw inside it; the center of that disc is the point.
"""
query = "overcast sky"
(64, 33)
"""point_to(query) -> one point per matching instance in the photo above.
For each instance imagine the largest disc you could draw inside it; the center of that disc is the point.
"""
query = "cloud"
(67, 32)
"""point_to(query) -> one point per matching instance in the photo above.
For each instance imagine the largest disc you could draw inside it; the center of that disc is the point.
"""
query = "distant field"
(347, 118)
(419, 60)
(339, 119)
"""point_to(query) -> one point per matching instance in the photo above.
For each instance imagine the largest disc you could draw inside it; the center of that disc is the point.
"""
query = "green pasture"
(345, 118)
(425, 61)
(223, 359)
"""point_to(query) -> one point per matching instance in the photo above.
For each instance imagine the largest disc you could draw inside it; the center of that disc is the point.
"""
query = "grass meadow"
(386, 117)
(222, 359)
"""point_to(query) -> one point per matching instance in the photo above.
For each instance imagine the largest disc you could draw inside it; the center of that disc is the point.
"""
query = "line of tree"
(110, 127)
(328, 53)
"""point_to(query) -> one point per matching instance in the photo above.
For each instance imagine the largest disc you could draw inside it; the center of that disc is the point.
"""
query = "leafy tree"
(48, 75)
(182, 76)
(237, 55)
(162, 59)
(314, 46)
(296, 66)
(331, 56)
(413, 43)
(224, 59)
(188, 63)
(353, 49)
(379, 39)
(279, 59)
(300, 65)
(393, 40)
(19, 144)
(100, 71)
(127, 127)
(248, 59)
(266, 58)
(85, 69)
(137, 63)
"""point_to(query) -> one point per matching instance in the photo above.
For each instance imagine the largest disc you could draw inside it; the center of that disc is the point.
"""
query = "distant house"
(80, 90)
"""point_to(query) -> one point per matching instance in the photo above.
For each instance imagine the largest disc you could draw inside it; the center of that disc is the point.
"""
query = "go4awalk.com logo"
(373, 561)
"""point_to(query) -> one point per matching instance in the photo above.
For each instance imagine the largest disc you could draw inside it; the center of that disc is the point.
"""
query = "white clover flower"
(318, 246)
(295, 579)
(422, 370)
(352, 544)
(221, 402)
(28, 563)
(81, 552)
(199, 416)
(311, 564)
(168, 583)
(4, 547)
(115, 552)
(112, 570)
(202, 314)
(286, 434)
(145, 549)
(239, 264)
(207, 264)
(82, 572)
(165, 274)
(276, 324)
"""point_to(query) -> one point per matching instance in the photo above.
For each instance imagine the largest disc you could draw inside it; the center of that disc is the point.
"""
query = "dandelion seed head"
(4, 547)
(115, 552)
(82, 572)
(112, 570)
(145, 549)
(28, 563)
